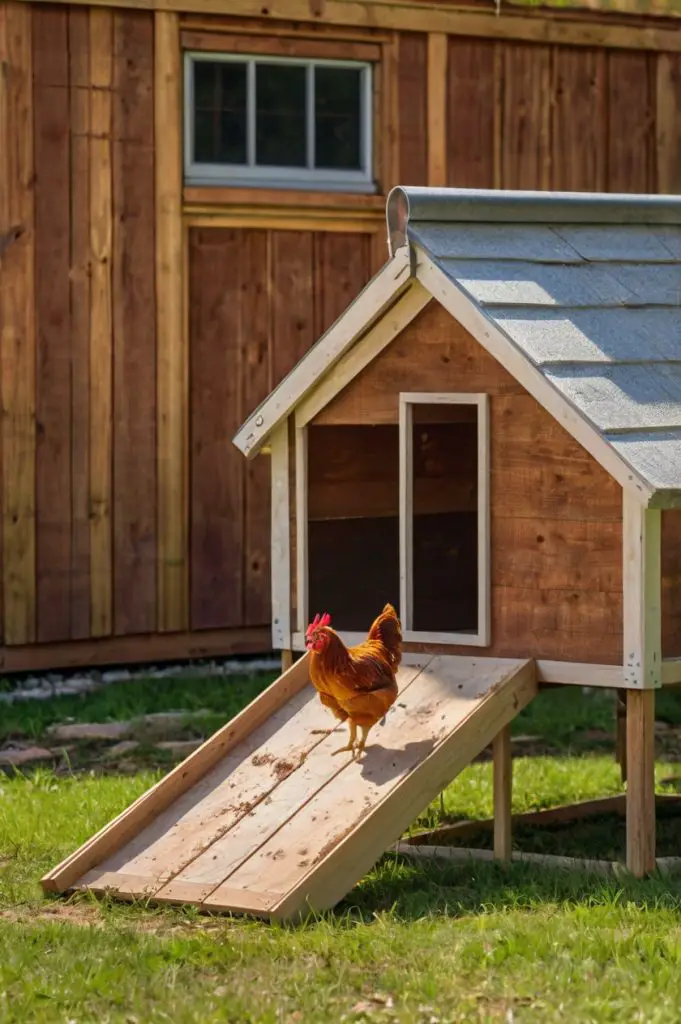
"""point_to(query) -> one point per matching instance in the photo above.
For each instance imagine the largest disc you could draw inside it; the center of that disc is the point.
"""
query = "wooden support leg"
(621, 733)
(640, 781)
(503, 779)
(286, 660)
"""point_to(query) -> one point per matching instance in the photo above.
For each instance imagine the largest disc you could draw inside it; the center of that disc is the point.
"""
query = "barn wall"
(130, 529)
(556, 515)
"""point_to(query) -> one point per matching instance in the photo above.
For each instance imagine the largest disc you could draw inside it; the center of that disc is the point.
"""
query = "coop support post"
(640, 782)
(503, 784)
(642, 674)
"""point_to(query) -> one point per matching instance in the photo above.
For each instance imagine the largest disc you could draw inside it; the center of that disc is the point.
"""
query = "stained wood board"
(277, 824)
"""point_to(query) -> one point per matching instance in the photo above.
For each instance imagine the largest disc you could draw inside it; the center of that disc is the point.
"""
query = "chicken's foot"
(359, 749)
(351, 742)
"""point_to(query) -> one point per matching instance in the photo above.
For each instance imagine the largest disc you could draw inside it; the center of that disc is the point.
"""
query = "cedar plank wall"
(556, 515)
(80, 539)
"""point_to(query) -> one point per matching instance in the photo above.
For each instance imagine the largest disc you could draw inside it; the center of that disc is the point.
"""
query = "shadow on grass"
(410, 891)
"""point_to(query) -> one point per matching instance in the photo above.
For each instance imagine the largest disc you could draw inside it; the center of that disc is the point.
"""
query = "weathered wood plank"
(343, 267)
(526, 144)
(292, 263)
(101, 320)
(640, 781)
(53, 323)
(437, 108)
(171, 332)
(255, 328)
(79, 282)
(17, 324)
(630, 123)
(668, 122)
(217, 474)
(413, 104)
(470, 113)
(579, 120)
(134, 327)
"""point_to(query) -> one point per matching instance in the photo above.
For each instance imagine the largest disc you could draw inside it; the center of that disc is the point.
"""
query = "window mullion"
(310, 116)
(251, 86)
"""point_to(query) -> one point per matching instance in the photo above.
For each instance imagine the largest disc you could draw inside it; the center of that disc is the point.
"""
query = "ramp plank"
(270, 823)
(447, 695)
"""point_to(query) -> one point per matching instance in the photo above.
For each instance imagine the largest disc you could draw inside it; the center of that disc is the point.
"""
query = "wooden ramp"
(262, 819)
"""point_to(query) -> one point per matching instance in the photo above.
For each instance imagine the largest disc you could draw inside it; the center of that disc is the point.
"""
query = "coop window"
(278, 122)
(444, 518)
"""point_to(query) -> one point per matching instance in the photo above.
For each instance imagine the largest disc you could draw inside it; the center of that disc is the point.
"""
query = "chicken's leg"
(351, 741)
(362, 743)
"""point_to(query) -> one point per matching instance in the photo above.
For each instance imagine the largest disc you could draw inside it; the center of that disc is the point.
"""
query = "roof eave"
(372, 302)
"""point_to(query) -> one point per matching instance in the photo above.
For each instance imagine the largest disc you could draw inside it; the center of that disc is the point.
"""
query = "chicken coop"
(168, 252)
(489, 437)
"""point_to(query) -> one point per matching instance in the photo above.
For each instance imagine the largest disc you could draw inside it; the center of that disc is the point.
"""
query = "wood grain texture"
(293, 314)
(134, 327)
(17, 324)
(437, 108)
(470, 113)
(640, 782)
(255, 328)
(547, 494)
(101, 320)
(413, 107)
(525, 128)
(171, 333)
(630, 139)
(671, 583)
(53, 323)
(79, 287)
(579, 120)
(342, 268)
(668, 122)
(217, 474)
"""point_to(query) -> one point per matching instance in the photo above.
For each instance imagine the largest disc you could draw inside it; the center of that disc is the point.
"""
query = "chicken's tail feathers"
(387, 630)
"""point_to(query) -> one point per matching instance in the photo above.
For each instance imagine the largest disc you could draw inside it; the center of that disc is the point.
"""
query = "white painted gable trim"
(371, 303)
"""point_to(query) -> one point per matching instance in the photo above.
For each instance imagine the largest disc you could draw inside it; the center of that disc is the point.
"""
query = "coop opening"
(353, 522)
(441, 517)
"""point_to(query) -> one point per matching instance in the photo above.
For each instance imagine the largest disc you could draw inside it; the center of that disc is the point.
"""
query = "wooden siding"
(125, 511)
(671, 584)
(258, 301)
(556, 515)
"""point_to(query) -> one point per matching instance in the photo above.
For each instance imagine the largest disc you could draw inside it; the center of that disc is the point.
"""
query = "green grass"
(412, 943)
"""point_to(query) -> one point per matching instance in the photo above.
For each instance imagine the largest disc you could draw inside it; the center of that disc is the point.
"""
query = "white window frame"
(481, 636)
(251, 175)
(478, 638)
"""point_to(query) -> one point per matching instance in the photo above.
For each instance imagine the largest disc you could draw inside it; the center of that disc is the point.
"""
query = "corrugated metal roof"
(595, 306)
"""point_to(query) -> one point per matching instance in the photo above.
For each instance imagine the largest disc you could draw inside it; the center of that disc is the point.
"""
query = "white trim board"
(407, 400)
(280, 540)
(371, 303)
(642, 594)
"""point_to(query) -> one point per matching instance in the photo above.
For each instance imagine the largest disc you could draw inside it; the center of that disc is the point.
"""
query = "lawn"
(413, 942)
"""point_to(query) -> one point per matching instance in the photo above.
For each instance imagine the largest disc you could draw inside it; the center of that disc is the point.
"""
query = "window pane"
(280, 138)
(219, 112)
(338, 105)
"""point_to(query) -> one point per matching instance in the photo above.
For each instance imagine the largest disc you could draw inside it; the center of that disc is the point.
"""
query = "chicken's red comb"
(319, 620)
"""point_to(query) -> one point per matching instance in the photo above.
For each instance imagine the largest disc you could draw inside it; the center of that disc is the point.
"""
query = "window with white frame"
(398, 512)
(444, 518)
(278, 121)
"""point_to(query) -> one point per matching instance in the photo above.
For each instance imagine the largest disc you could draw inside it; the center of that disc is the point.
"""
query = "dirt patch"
(83, 915)
(261, 759)
(282, 769)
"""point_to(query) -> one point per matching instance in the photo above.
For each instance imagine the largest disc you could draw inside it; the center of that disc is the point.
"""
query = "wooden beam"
(101, 322)
(642, 639)
(17, 324)
(273, 220)
(280, 541)
(302, 578)
(640, 782)
(123, 650)
(503, 785)
(171, 328)
(548, 860)
(437, 108)
(568, 29)
(668, 123)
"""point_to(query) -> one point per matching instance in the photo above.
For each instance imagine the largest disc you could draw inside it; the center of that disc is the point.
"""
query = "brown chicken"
(356, 683)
